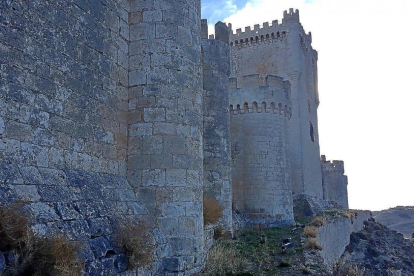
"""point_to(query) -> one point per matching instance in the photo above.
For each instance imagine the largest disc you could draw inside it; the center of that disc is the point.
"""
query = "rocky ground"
(379, 251)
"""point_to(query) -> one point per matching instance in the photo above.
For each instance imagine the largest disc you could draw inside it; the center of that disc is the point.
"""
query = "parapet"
(258, 95)
(335, 166)
(255, 80)
(222, 31)
(291, 16)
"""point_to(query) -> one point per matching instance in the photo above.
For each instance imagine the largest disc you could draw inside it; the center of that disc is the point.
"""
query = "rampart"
(334, 236)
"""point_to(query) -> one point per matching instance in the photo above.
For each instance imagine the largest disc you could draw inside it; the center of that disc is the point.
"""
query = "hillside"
(380, 251)
(400, 219)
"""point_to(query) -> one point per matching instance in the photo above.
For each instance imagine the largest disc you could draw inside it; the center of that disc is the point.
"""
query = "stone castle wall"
(285, 50)
(63, 110)
(116, 109)
(335, 183)
(334, 236)
(216, 130)
(261, 177)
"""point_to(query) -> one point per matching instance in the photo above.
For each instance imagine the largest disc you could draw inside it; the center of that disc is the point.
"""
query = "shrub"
(312, 243)
(284, 263)
(317, 222)
(57, 256)
(14, 226)
(135, 239)
(212, 210)
(221, 233)
(341, 269)
(310, 232)
(223, 259)
(348, 215)
(34, 255)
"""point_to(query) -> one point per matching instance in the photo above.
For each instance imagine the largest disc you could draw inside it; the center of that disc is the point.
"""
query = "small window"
(312, 134)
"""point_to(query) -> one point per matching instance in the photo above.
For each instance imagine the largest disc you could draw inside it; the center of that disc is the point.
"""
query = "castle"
(118, 109)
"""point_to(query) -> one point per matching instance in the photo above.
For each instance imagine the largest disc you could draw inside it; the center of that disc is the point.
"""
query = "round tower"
(165, 154)
(261, 179)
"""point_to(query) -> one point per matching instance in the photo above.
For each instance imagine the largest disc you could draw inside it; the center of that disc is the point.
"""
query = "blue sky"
(216, 10)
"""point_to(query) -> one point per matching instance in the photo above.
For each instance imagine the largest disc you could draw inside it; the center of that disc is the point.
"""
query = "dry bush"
(341, 269)
(212, 210)
(136, 240)
(348, 215)
(34, 255)
(14, 226)
(221, 234)
(312, 243)
(58, 256)
(317, 222)
(310, 232)
(223, 260)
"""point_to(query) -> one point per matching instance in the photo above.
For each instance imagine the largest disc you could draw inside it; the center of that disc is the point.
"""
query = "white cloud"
(366, 116)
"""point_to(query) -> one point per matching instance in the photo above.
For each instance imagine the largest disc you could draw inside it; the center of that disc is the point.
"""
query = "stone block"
(142, 31)
(176, 177)
(164, 129)
(18, 131)
(140, 129)
(137, 77)
(152, 16)
(152, 145)
(154, 177)
(26, 193)
(154, 114)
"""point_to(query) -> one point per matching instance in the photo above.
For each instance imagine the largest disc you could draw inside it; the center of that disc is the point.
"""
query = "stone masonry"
(123, 109)
(334, 183)
(261, 178)
(285, 50)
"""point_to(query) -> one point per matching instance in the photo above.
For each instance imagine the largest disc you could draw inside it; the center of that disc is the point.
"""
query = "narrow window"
(312, 134)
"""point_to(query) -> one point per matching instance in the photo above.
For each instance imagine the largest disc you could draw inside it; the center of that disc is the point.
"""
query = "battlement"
(275, 31)
(291, 16)
(222, 31)
(254, 80)
(264, 107)
(335, 166)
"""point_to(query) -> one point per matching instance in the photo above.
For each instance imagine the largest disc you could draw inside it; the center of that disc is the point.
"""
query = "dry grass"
(212, 210)
(347, 215)
(341, 269)
(13, 226)
(312, 243)
(136, 240)
(223, 260)
(310, 232)
(317, 222)
(221, 234)
(34, 255)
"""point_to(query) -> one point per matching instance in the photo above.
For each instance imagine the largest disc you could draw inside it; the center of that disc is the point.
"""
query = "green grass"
(262, 250)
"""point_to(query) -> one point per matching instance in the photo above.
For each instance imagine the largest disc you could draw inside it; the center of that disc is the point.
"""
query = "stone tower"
(285, 50)
(261, 175)
(335, 183)
(216, 137)
(165, 157)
